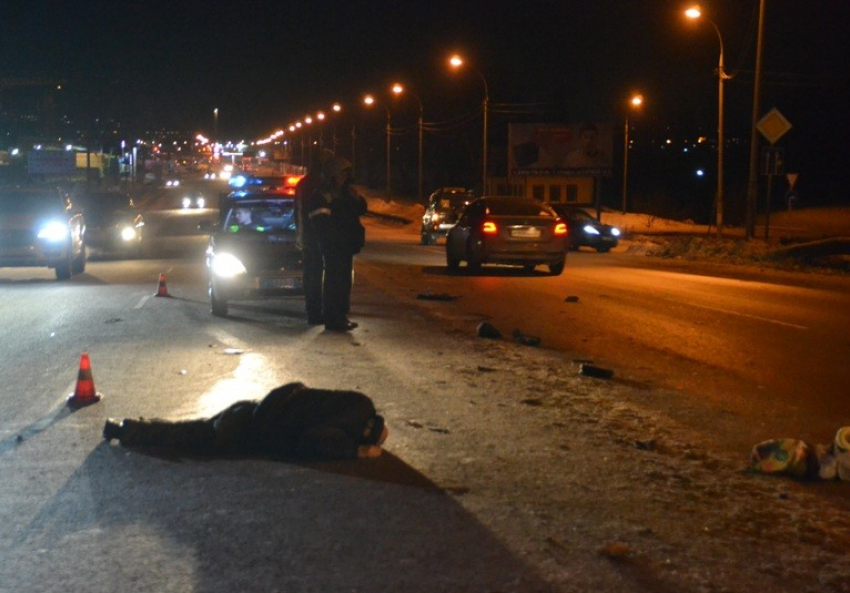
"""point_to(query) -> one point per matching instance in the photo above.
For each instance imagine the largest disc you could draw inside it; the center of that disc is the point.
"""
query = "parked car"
(442, 212)
(508, 230)
(41, 228)
(114, 226)
(585, 230)
(252, 252)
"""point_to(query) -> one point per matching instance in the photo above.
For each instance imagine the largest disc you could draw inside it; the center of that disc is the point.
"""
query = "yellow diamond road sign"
(773, 126)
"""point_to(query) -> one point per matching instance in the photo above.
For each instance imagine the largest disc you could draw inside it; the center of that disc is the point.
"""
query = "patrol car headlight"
(227, 265)
(590, 230)
(128, 233)
(615, 231)
(53, 231)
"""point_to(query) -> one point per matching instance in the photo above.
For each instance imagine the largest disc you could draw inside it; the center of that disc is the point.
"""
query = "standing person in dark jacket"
(291, 422)
(308, 242)
(334, 212)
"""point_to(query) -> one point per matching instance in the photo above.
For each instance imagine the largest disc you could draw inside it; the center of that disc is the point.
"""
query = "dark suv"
(442, 210)
(41, 228)
(252, 251)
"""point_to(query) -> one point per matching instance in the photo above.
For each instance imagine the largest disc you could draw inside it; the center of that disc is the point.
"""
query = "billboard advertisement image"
(583, 149)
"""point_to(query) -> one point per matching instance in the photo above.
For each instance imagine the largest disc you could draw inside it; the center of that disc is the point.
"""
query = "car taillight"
(489, 228)
(560, 228)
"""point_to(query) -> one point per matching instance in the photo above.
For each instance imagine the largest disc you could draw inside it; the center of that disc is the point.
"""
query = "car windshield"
(106, 202)
(452, 201)
(516, 208)
(263, 216)
(28, 203)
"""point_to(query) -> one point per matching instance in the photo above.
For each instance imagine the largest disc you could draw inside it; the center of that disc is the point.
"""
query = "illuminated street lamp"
(635, 102)
(320, 116)
(398, 89)
(456, 62)
(695, 13)
(370, 100)
(336, 108)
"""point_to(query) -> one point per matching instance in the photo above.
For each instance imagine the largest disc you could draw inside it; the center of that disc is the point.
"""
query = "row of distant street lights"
(369, 100)
(635, 101)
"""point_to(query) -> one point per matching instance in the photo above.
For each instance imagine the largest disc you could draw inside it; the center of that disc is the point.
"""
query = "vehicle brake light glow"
(489, 228)
(560, 228)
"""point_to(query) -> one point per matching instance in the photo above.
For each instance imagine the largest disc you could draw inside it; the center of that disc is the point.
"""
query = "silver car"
(508, 230)
(40, 228)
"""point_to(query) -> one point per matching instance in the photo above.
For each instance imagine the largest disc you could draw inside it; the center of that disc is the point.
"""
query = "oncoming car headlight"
(615, 231)
(128, 233)
(590, 230)
(53, 231)
(227, 265)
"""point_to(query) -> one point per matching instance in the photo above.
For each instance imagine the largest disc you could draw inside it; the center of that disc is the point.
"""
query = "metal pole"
(389, 185)
(484, 144)
(419, 183)
(721, 78)
(625, 161)
(752, 185)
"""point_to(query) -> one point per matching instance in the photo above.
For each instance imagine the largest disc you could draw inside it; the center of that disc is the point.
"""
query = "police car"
(252, 252)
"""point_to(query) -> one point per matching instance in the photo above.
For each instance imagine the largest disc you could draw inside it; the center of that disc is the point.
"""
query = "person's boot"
(112, 429)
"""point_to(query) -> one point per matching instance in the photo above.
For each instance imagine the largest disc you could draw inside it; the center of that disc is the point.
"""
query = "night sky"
(265, 63)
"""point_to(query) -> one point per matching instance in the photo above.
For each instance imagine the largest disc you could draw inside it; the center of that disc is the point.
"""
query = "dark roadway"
(767, 348)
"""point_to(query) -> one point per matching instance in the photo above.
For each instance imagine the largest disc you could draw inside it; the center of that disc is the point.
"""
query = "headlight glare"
(128, 233)
(590, 229)
(53, 231)
(615, 231)
(227, 265)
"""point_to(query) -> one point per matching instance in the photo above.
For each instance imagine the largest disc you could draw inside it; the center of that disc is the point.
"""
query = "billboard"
(51, 162)
(561, 149)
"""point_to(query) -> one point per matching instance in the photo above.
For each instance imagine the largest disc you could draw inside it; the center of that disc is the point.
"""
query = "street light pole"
(752, 184)
(635, 101)
(456, 62)
(370, 100)
(695, 13)
(399, 89)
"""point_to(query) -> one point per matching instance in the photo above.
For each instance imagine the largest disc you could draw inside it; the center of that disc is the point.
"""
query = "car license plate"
(526, 232)
(283, 283)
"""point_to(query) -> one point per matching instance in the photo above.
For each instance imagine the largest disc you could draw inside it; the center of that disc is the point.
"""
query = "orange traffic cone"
(162, 291)
(85, 393)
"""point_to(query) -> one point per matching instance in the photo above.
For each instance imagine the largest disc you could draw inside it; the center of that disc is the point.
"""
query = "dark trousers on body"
(313, 272)
(337, 285)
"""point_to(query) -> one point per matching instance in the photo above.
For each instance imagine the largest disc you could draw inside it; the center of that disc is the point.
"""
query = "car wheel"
(425, 238)
(529, 268)
(603, 249)
(452, 262)
(63, 270)
(218, 306)
(78, 265)
(473, 253)
(555, 268)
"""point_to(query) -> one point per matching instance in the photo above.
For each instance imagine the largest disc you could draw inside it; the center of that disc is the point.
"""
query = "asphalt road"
(766, 348)
(472, 493)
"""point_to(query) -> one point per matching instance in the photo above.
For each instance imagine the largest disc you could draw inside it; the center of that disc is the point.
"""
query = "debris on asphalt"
(571, 299)
(591, 370)
(442, 296)
(524, 339)
(798, 459)
(487, 330)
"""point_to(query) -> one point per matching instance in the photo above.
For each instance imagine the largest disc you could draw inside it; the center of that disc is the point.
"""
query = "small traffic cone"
(162, 291)
(85, 393)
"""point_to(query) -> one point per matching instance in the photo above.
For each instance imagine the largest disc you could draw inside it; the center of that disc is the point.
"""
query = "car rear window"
(517, 208)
